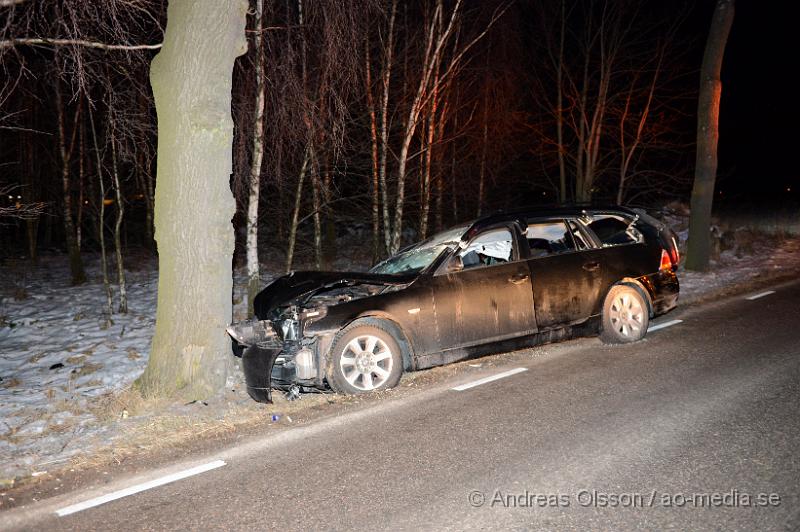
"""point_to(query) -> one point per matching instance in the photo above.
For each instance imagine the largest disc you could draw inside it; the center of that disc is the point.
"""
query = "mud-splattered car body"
(501, 282)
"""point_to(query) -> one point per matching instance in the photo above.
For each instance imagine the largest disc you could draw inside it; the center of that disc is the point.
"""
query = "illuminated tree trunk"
(191, 78)
(705, 172)
(382, 177)
(373, 130)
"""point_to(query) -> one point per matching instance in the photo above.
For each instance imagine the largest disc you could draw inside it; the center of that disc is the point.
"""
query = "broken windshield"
(419, 257)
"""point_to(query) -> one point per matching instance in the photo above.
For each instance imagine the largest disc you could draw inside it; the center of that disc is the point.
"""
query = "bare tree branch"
(38, 41)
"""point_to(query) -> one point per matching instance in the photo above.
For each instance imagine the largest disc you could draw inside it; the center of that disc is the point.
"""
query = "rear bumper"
(664, 290)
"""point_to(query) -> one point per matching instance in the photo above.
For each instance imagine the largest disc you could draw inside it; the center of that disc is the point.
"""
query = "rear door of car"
(566, 270)
(622, 249)
(488, 300)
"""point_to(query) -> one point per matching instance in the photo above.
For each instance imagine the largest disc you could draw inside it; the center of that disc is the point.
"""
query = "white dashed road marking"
(762, 294)
(657, 326)
(97, 501)
(491, 378)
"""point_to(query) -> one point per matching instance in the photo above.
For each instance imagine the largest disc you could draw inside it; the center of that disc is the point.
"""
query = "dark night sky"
(759, 115)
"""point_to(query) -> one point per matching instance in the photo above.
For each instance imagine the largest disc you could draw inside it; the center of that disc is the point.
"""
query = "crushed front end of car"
(276, 355)
(287, 349)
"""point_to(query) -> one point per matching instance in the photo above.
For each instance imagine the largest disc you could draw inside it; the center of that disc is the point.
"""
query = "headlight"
(252, 332)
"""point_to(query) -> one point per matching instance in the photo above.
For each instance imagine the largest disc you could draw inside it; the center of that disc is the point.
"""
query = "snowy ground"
(59, 359)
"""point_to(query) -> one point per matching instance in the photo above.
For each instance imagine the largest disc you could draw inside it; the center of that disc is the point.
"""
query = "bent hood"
(298, 285)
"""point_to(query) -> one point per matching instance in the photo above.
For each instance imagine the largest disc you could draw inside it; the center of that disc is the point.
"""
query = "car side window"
(613, 230)
(548, 238)
(495, 246)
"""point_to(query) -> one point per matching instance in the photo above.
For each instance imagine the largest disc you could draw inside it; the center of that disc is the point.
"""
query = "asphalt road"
(609, 435)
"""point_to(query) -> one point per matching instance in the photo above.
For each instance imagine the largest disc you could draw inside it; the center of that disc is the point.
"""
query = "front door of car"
(566, 272)
(490, 298)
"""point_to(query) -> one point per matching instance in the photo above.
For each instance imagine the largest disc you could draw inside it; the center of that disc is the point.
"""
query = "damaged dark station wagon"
(502, 282)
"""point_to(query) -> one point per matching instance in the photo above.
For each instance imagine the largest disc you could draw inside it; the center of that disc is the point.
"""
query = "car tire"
(364, 357)
(625, 315)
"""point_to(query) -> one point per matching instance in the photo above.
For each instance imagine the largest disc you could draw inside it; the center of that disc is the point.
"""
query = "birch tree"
(192, 78)
(253, 274)
(436, 69)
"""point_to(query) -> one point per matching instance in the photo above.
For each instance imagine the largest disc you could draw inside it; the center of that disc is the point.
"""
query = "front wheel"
(364, 357)
(625, 316)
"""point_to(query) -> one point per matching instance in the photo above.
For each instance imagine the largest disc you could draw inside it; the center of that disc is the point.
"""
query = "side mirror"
(456, 264)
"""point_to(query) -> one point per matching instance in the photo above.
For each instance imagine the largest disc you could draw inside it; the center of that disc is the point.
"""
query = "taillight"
(666, 262)
(676, 256)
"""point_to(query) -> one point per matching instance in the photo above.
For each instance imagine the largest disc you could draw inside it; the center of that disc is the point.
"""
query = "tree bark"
(387, 71)
(373, 135)
(75, 261)
(81, 172)
(123, 290)
(296, 212)
(192, 80)
(699, 246)
(101, 224)
(253, 274)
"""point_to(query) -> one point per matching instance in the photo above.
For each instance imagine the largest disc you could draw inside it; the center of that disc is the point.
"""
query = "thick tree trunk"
(253, 274)
(705, 173)
(191, 78)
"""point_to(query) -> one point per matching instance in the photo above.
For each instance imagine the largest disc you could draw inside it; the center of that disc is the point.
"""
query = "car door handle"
(518, 279)
(591, 266)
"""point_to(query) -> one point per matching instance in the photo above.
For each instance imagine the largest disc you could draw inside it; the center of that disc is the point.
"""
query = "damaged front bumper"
(273, 357)
(259, 345)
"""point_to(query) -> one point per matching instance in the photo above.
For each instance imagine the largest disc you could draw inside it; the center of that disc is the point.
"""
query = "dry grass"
(10, 383)
(75, 359)
(128, 402)
(86, 369)
(36, 358)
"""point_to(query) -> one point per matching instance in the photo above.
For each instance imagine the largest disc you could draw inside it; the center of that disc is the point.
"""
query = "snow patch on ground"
(730, 270)
(58, 355)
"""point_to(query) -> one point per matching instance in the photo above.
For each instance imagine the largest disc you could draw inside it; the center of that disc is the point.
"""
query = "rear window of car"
(548, 238)
(613, 230)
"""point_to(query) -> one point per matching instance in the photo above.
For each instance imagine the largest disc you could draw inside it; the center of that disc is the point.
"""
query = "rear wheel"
(625, 315)
(364, 357)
